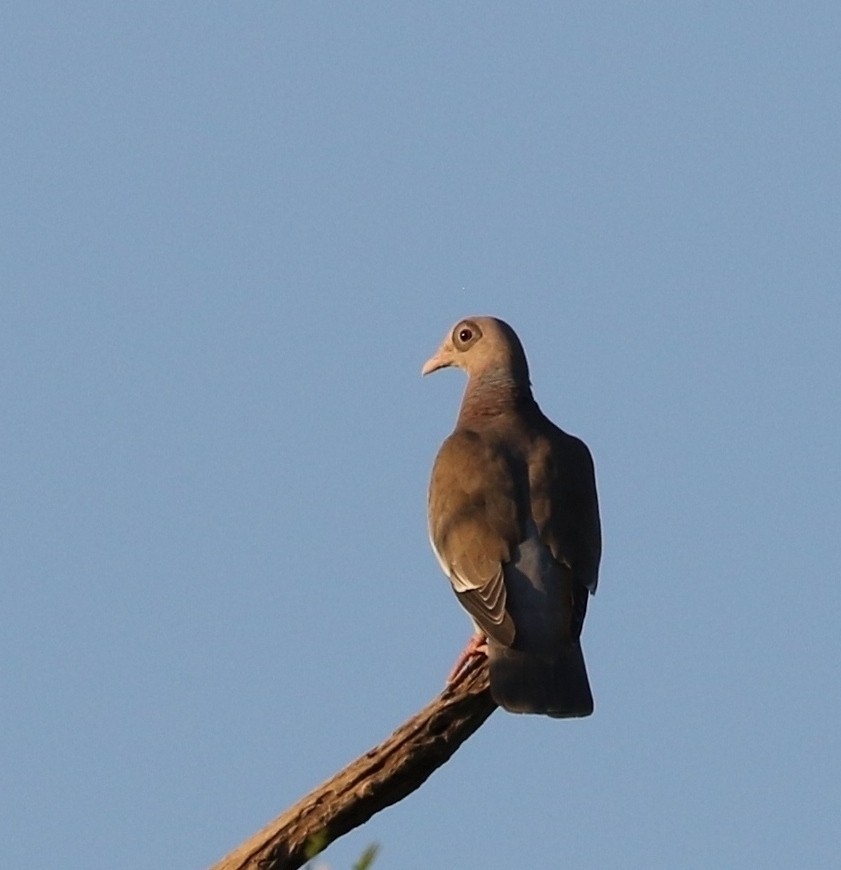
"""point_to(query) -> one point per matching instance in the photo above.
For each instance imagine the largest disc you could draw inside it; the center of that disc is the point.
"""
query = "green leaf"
(316, 843)
(367, 858)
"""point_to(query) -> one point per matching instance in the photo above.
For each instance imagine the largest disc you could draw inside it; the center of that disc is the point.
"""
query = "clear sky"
(230, 234)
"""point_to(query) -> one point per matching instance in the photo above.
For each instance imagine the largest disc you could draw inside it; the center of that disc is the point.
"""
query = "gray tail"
(528, 682)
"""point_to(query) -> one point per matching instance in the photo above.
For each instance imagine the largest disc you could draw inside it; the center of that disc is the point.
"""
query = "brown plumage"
(514, 522)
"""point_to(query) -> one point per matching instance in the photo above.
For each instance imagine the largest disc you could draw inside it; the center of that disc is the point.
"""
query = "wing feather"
(475, 518)
(565, 508)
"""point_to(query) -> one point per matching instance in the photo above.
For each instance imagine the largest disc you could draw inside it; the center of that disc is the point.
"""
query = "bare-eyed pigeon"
(514, 522)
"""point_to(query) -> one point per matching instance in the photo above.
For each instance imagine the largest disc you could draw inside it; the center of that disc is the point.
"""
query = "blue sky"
(230, 235)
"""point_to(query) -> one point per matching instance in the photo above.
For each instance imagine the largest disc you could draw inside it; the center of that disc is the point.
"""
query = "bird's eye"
(466, 334)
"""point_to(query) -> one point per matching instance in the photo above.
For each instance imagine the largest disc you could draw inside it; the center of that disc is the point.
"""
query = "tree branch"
(376, 780)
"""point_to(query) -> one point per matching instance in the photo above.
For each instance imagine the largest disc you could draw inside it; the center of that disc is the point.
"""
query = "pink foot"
(476, 647)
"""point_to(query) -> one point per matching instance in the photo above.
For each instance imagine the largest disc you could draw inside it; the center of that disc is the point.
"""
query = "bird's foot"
(476, 647)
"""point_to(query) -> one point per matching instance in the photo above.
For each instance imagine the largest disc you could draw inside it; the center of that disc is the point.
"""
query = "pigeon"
(514, 522)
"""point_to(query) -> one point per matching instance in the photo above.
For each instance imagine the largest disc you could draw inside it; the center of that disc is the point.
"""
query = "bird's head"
(481, 346)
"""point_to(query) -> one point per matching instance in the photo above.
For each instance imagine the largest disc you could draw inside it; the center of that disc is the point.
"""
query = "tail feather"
(528, 682)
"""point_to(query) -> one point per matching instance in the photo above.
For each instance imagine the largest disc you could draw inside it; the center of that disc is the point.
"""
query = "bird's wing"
(565, 509)
(475, 518)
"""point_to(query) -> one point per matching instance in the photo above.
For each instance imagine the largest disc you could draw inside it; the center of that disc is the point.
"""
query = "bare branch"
(376, 780)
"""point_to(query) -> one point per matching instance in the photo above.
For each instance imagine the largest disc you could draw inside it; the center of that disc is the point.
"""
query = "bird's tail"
(528, 682)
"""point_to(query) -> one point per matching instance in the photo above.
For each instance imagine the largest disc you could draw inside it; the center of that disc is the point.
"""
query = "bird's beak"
(443, 357)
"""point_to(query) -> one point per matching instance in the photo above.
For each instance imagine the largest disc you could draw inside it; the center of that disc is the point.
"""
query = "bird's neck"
(491, 395)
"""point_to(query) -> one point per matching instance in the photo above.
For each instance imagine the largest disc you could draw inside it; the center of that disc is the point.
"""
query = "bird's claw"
(476, 647)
